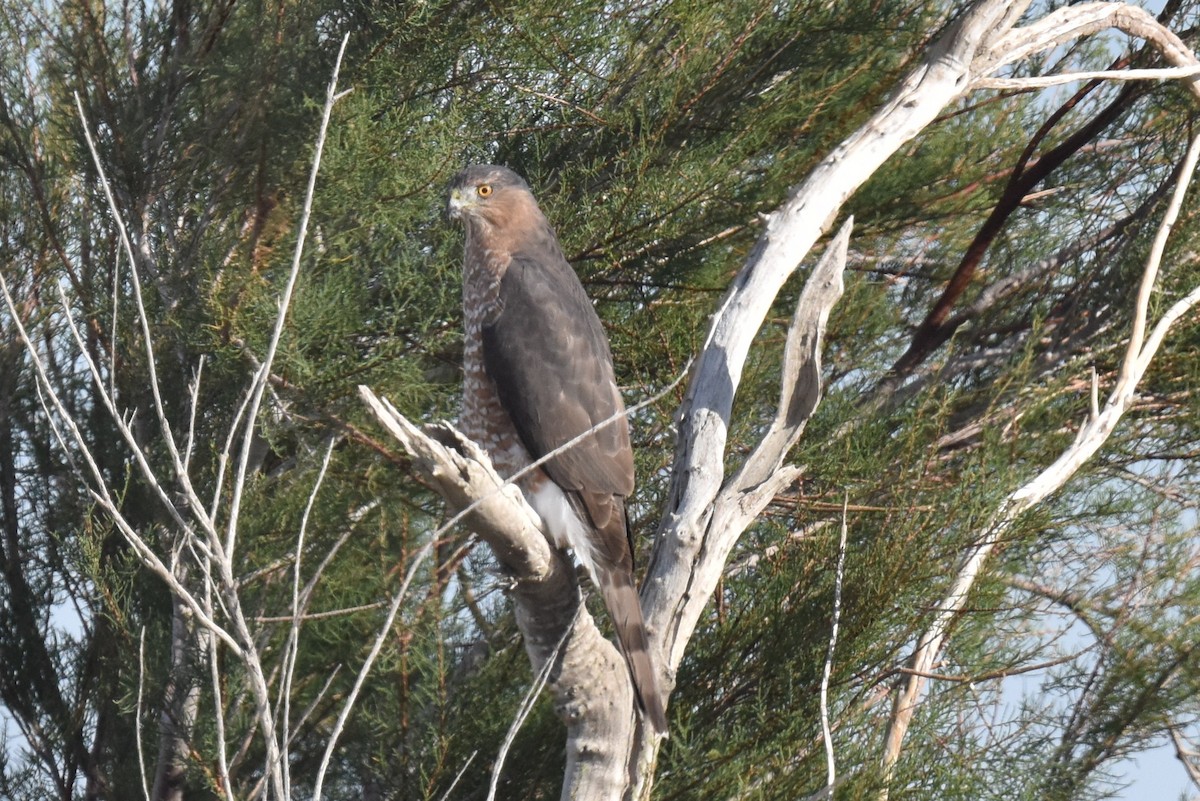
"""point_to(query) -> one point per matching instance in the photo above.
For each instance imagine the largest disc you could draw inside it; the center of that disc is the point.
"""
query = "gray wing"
(546, 353)
(548, 357)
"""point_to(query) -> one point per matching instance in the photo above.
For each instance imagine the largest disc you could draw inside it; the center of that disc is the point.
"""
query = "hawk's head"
(488, 193)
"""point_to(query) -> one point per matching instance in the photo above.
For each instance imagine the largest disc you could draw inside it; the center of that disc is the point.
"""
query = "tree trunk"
(180, 703)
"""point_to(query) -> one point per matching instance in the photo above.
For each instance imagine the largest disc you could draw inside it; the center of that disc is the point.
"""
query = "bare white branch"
(687, 563)
(193, 407)
(214, 667)
(694, 517)
(137, 721)
(124, 426)
(56, 411)
(1094, 396)
(826, 733)
(285, 301)
(1091, 436)
(214, 555)
(1074, 21)
(292, 647)
(1186, 753)
(143, 320)
(1046, 81)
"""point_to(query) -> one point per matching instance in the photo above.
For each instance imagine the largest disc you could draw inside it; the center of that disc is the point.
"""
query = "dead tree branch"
(1088, 440)
(589, 681)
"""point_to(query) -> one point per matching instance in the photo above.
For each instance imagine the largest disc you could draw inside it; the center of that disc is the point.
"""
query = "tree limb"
(680, 582)
(592, 693)
(1090, 437)
(1186, 753)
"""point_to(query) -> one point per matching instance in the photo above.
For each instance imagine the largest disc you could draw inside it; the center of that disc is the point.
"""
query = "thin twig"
(190, 444)
(292, 647)
(336, 733)
(309, 588)
(527, 705)
(827, 735)
(329, 613)
(461, 771)
(137, 721)
(1046, 81)
(313, 704)
(285, 300)
(223, 458)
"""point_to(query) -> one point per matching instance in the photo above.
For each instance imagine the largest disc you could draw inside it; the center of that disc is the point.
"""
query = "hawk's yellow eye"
(484, 190)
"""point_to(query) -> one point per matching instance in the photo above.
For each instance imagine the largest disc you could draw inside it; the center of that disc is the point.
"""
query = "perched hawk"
(538, 375)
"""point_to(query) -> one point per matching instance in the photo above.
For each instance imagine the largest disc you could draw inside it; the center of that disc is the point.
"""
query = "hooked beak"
(458, 203)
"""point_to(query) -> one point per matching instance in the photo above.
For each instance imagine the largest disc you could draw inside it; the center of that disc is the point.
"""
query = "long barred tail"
(624, 608)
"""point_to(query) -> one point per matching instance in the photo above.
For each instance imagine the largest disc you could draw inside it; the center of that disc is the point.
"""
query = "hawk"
(539, 374)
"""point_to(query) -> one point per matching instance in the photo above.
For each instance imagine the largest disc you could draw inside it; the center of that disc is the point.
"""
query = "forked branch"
(1089, 439)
